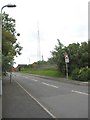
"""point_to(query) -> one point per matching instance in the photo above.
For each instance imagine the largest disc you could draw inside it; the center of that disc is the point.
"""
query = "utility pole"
(42, 58)
(38, 47)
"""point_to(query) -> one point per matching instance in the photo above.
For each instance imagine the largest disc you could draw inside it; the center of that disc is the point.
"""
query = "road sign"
(66, 59)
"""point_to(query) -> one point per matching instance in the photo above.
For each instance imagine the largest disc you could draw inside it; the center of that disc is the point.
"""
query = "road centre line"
(26, 77)
(73, 91)
(31, 79)
(49, 85)
(79, 92)
(44, 83)
(44, 108)
(34, 80)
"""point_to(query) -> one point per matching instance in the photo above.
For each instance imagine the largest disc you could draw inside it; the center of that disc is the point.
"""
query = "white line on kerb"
(49, 85)
(36, 100)
(79, 92)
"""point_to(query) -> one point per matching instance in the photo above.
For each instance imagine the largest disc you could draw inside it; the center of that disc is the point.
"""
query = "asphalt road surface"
(0, 107)
(61, 100)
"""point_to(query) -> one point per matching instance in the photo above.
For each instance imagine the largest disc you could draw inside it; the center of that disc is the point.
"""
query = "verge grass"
(45, 72)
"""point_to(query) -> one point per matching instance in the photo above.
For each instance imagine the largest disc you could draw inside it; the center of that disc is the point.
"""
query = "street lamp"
(9, 6)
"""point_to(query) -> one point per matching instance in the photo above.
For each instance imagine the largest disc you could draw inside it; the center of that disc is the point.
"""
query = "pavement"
(18, 104)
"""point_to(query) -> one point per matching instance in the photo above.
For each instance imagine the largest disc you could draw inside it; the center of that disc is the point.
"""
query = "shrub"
(84, 74)
(75, 74)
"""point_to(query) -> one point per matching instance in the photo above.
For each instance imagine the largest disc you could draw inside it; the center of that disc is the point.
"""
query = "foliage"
(75, 74)
(58, 56)
(89, 53)
(78, 56)
(82, 74)
(37, 64)
(10, 47)
(8, 24)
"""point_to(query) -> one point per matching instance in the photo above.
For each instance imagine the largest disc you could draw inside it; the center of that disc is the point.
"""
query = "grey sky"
(66, 20)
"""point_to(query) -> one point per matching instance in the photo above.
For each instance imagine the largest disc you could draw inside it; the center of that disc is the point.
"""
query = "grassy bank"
(51, 72)
(45, 72)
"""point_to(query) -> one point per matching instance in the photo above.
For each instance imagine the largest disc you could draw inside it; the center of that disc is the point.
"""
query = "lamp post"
(9, 6)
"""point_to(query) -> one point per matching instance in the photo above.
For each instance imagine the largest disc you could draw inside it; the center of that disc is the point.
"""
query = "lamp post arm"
(9, 5)
(2, 8)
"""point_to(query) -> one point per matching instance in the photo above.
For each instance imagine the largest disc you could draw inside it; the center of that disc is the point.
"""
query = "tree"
(74, 56)
(10, 47)
(58, 56)
(89, 53)
(78, 56)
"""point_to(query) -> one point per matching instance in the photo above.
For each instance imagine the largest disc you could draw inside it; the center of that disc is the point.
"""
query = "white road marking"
(34, 80)
(80, 92)
(49, 85)
(26, 77)
(85, 82)
(44, 108)
(31, 79)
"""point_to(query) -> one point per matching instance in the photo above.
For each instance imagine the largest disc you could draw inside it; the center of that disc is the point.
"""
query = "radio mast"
(38, 45)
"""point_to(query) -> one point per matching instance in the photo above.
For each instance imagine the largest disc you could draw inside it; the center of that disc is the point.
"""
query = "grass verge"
(45, 72)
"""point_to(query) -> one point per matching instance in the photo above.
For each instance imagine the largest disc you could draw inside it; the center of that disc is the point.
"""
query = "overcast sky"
(66, 20)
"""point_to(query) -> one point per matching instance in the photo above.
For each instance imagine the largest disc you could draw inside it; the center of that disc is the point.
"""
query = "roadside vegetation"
(10, 46)
(78, 66)
(44, 71)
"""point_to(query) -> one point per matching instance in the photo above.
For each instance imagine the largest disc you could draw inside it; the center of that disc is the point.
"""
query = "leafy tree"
(78, 56)
(89, 53)
(74, 56)
(10, 47)
(8, 23)
(58, 56)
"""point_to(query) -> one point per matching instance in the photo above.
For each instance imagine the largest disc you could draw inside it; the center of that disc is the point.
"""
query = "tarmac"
(65, 80)
(16, 103)
(0, 107)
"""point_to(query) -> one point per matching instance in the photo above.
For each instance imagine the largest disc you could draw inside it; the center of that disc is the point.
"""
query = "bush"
(82, 74)
(75, 74)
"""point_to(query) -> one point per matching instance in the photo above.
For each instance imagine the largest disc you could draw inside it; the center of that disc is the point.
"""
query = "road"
(0, 107)
(58, 99)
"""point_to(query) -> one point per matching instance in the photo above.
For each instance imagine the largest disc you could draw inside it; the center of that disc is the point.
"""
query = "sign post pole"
(67, 70)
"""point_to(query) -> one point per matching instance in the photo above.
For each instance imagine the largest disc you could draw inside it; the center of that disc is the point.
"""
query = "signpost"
(66, 61)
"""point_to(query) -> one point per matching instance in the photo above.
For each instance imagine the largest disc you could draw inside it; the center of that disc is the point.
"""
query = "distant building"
(21, 66)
